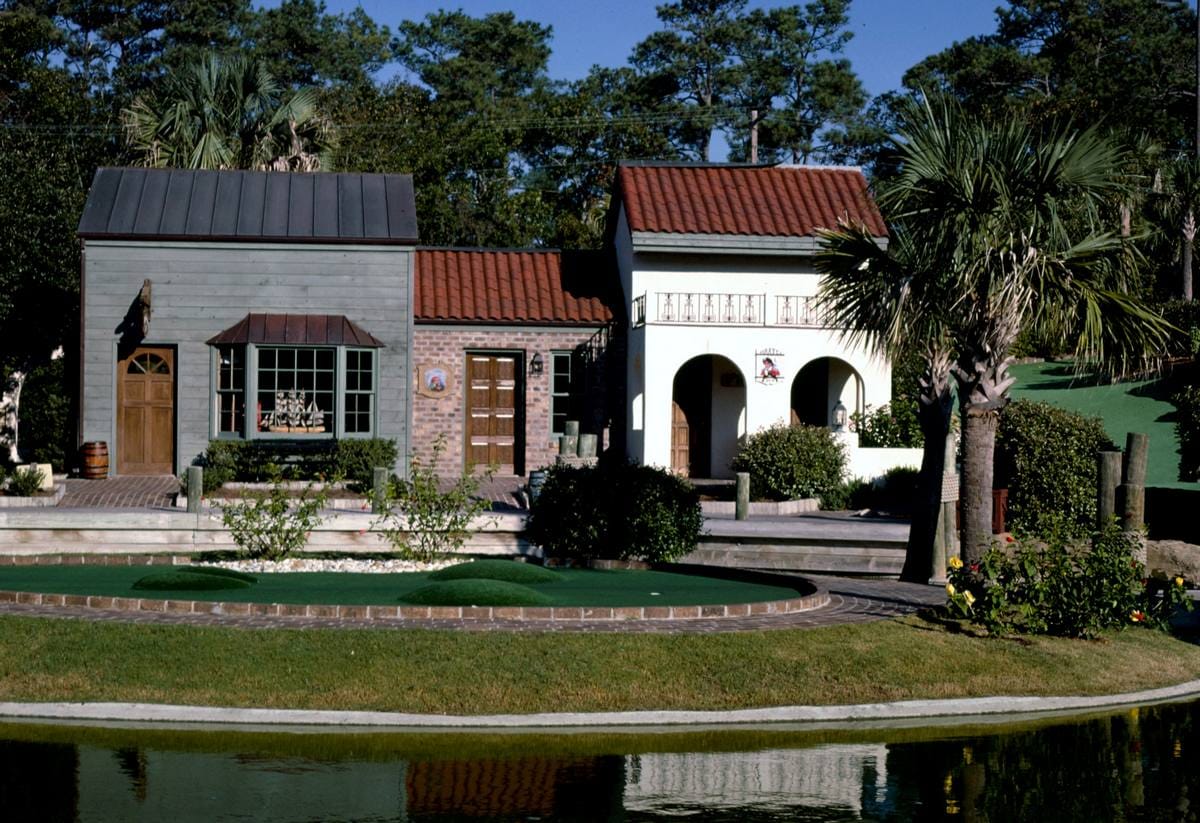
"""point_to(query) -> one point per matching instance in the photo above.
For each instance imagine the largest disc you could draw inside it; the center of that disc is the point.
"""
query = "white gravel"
(302, 564)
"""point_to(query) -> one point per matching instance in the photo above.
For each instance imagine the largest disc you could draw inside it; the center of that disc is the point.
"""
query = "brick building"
(507, 346)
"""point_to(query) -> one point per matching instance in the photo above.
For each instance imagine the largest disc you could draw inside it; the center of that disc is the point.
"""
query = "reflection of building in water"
(846, 777)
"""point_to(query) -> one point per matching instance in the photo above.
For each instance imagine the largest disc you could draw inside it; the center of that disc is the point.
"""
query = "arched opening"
(820, 386)
(708, 416)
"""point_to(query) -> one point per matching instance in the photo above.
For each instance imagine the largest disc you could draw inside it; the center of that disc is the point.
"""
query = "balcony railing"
(727, 309)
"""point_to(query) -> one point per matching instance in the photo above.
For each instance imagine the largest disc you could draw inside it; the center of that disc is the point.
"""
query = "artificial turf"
(1129, 406)
(577, 587)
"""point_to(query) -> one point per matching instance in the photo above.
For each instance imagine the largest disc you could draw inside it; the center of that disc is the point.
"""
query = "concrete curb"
(910, 710)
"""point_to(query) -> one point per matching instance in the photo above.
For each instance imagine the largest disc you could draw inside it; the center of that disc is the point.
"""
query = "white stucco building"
(716, 270)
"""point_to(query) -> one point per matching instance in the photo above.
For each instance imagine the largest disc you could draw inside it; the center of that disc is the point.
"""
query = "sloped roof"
(767, 201)
(322, 207)
(298, 329)
(495, 286)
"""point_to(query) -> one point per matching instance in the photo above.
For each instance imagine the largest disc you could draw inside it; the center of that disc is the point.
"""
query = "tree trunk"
(1189, 238)
(978, 449)
(10, 404)
(934, 415)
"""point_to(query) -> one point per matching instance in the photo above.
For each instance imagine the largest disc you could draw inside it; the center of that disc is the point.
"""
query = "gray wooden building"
(235, 304)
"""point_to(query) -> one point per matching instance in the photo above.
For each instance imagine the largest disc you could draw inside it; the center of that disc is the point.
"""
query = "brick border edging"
(573, 614)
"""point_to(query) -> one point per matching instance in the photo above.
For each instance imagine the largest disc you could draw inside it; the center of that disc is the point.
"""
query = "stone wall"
(447, 346)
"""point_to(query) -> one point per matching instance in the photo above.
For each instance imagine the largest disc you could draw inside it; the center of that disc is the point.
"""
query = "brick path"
(850, 601)
(120, 493)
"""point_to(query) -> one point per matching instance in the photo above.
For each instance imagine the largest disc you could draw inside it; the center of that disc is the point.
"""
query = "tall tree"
(1174, 208)
(227, 114)
(1003, 210)
(303, 45)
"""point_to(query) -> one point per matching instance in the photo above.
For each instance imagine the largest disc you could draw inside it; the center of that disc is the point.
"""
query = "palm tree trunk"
(978, 449)
(934, 410)
(1189, 238)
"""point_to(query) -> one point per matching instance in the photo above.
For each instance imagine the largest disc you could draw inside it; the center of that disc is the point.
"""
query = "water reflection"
(1134, 765)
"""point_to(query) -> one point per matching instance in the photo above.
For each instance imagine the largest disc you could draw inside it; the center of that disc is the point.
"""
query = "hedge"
(792, 462)
(246, 461)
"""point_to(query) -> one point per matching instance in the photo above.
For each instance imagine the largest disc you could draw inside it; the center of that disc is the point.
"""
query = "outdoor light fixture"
(840, 416)
(536, 365)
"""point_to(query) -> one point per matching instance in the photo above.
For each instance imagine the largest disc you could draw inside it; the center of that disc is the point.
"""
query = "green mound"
(509, 571)
(188, 582)
(219, 571)
(476, 593)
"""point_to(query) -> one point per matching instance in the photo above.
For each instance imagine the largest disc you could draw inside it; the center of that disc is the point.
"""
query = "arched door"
(146, 412)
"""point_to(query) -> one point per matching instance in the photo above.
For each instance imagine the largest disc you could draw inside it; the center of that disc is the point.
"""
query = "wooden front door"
(492, 436)
(146, 412)
(681, 451)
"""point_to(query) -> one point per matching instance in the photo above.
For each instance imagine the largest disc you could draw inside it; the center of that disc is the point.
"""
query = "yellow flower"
(1178, 581)
(955, 563)
(970, 598)
(950, 590)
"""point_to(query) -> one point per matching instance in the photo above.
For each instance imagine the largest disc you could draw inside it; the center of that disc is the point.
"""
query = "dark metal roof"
(298, 329)
(174, 204)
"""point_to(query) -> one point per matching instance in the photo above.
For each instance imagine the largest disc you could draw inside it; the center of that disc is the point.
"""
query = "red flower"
(1009, 539)
(974, 567)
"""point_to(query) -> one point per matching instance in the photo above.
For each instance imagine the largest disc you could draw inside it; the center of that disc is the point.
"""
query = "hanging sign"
(768, 366)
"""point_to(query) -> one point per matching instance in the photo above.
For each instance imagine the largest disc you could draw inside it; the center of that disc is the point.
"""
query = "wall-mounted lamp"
(536, 365)
(841, 416)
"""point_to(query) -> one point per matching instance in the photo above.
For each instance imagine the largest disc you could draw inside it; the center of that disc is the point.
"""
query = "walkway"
(850, 601)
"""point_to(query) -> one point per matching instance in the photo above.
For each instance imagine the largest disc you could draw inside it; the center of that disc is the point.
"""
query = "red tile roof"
(771, 201)
(302, 329)
(487, 286)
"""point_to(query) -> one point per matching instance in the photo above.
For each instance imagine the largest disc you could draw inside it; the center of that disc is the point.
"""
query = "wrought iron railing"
(794, 310)
(639, 311)
(722, 308)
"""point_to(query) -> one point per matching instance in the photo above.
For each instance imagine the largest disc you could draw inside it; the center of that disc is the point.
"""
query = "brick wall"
(447, 346)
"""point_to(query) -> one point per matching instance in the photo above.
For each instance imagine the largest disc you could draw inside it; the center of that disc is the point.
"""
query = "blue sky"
(889, 35)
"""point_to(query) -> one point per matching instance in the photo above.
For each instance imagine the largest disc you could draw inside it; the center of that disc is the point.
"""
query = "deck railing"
(727, 309)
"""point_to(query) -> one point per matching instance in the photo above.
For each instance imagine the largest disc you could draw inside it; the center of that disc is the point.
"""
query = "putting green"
(578, 587)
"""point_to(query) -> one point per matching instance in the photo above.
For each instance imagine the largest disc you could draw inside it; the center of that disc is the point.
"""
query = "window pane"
(266, 358)
(305, 359)
(325, 359)
(286, 358)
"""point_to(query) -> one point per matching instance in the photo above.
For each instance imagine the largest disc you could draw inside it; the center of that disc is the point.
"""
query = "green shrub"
(616, 510)
(1185, 316)
(476, 593)
(188, 581)
(221, 571)
(791, 462)
(1046, 457)
(47, 430)
(891, 426)
(893, 492)
(422, 520)
(509, 571)
(273, 525)
(25, 481)
(1187, 426)
(1061, 586)
(247, 461)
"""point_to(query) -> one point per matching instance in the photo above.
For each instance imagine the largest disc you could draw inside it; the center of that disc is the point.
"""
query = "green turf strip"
(578, 587)
(507, 570)
(220, 571)
(177, 581)
(476, 593)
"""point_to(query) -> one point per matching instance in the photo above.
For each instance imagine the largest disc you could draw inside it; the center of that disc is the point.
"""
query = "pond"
(1139, 764)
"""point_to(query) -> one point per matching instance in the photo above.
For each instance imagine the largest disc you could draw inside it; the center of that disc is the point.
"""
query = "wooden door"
(146, 412)
(681, 450)
(492, 412)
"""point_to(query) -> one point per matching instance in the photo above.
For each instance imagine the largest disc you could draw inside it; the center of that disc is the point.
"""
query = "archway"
(708, 416)
(820, 385)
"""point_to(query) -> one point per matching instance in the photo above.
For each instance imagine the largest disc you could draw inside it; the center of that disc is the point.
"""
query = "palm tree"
(1007, 223)
(1174, 206)
(227, 113)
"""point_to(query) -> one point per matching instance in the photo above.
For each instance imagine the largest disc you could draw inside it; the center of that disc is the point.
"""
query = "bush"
(26, 482)
(509, 571)
(273, 525)
(1185, 316)
(616, 510)
(891, 426)
(188, 581)
(893, 492)
(1046, 457)
(220, 571)
(1061, 587)
(422, 521)
(47, 431)
(476, 593)
(247, 461)
(1187, 426)
(791, 462)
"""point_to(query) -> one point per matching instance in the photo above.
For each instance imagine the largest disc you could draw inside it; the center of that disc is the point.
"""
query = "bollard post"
(1136, 448)
(379, 481)
(741, 509)
(195, 484)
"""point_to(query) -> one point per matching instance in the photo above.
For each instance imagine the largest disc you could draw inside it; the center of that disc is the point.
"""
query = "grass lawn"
(577, 587)
(43, 659)
(1134, 406)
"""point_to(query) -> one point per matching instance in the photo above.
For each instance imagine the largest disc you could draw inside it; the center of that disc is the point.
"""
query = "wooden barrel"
(95, 460)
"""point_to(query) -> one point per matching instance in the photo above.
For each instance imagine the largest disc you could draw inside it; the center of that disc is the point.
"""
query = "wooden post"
(1108, 478)
(587, 445)
(1134, 468)
(741, 509)
(379, 484)
(195, 484)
